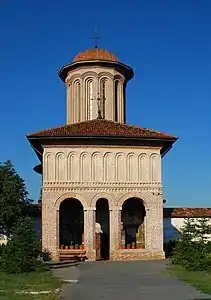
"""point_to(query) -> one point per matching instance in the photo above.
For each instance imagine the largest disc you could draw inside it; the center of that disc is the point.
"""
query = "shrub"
(45, 255)
(193, 250)
(199, 258)
(22, 250)
(2, 248)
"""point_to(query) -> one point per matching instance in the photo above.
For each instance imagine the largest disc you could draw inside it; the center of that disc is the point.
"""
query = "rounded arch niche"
(111, 200)
(132, 223)
(71, 223)
(72, 196)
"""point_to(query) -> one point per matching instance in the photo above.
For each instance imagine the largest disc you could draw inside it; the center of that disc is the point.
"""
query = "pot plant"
(128, 246)
(62, 247)
(71, 245)
(140, 246)
(66, 247)
(133, 245)
(76, 246)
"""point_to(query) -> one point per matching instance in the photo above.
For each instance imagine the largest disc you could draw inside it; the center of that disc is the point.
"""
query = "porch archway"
(71, 222)
(132, 218)
(102, 218)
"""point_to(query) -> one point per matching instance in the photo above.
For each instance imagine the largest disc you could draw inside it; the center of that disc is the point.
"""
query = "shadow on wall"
(169, 230)
(171, 235)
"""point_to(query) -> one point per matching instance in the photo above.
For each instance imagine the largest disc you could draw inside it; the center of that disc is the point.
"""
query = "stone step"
(61, 264)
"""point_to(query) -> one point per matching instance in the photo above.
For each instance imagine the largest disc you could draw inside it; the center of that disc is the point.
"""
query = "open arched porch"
(132, 224)
(102, 237)
(71, 228)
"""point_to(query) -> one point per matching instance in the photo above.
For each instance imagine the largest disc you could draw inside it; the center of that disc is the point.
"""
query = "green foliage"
(13, 196)
(45, 255)
(12, 284)
(193, 250)
(2, 248)
(199, 258)
(22, 250)
(40, 198)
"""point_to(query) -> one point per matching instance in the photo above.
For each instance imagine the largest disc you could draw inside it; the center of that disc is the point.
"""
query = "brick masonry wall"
(98, 243)
(154, 221)
(134, 254)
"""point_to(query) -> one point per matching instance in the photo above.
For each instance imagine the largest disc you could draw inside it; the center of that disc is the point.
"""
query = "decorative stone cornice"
(102, 190)
(103, 187)
(87, 184)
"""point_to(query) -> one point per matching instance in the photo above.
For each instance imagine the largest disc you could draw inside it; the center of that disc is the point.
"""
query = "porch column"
(154, 228)
(148, 229)
(115, 231)
(50, 223)
(89, 232)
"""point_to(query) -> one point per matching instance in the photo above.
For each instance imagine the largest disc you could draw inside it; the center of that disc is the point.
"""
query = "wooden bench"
(65, 254)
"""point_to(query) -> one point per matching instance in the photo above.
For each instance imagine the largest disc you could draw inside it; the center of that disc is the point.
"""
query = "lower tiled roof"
(185, 212)
(101, 127)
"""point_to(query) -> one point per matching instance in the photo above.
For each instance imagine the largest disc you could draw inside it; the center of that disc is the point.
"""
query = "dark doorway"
(133, 214)
(102, 217)
(71, 222)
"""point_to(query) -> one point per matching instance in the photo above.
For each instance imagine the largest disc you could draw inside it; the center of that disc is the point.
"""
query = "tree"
(193, 249)
(40, 198)
(22, 251)
(13, 196)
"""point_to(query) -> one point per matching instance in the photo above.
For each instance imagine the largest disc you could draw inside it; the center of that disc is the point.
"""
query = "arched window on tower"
(89, 95)
(103, 96)
(77, 96)
(78, 91)
(116, 95)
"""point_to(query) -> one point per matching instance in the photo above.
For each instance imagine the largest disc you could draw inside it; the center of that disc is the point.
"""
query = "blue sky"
(168, 43)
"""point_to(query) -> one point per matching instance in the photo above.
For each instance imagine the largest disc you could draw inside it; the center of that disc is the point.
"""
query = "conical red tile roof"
(96, 54)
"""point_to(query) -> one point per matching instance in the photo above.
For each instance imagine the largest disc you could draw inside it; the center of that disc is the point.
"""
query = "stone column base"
(91, 255)
(137, 254)
(55, 256)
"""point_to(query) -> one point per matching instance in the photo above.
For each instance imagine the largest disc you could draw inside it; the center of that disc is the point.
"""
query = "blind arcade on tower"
(96, 73)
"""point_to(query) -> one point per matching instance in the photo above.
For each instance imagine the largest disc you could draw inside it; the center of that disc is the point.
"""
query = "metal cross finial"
(100, 106)
(95, 37)
(99, 110)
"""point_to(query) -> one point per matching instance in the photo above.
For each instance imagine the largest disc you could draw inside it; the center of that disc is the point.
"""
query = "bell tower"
(96, 86)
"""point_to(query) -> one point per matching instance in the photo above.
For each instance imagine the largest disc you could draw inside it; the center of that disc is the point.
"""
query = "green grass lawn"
(200, 279)
(34, 281)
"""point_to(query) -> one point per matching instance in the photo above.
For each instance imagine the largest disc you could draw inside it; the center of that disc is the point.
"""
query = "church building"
(102, 187)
